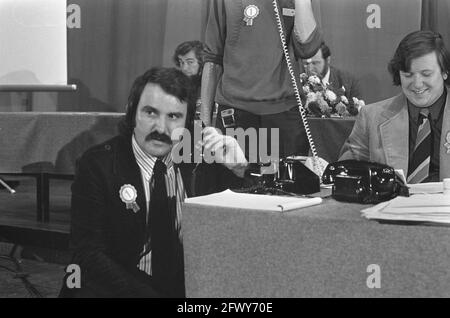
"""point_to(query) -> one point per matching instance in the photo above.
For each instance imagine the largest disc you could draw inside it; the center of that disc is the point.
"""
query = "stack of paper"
(424, 188)
(419, 207)
(236, 200)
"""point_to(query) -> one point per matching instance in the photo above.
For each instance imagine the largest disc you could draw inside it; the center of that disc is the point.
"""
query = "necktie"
(419, 166)
(165, 244)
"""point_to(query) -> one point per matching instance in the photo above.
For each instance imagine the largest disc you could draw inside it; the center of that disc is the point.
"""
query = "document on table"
(424, 188)
(263, 202)
(433, 207)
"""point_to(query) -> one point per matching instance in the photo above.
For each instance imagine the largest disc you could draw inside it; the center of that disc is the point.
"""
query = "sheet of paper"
(421, 200)
(429, 187)
(236, 200)
(419, 207)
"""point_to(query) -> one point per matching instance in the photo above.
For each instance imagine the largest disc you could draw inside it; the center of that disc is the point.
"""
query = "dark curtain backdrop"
(435, 16)
(362, 50)
(119, 40)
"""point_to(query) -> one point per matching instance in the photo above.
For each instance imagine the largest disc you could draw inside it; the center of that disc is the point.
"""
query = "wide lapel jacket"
(394, 131)
(126, 171)
(381, 134)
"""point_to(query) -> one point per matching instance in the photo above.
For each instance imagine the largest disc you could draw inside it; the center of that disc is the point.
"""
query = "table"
(329, 135)
(46, 145)
(319, 251)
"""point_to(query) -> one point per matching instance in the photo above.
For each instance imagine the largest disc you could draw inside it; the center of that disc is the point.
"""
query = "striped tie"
(420, 165)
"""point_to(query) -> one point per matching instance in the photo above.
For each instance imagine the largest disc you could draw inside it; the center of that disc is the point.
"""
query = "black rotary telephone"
(363, 181)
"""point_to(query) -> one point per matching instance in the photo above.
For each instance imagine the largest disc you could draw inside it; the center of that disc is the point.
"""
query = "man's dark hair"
(414, 45)
(185, 47)
(171, 81)
(326, 53)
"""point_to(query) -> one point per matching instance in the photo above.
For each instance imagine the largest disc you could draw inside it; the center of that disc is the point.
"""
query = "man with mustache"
(128, 191)
(410, 131)
(158, 137)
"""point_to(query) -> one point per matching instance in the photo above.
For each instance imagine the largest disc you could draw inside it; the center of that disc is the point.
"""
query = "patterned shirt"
(174, 185)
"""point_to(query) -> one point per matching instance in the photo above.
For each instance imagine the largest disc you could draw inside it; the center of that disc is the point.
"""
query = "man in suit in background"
(127, 193)
(331, 76)
(410, 131)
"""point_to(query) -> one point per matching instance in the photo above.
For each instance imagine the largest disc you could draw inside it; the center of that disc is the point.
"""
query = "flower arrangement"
(321, 101)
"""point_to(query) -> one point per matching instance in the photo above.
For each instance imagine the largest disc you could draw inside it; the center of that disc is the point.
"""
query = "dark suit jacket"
(339, 78)
(107, 238)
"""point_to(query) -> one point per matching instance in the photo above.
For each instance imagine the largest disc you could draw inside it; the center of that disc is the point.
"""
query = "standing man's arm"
(307, 36)
(215, 36)
(210, 79)
(305, 23)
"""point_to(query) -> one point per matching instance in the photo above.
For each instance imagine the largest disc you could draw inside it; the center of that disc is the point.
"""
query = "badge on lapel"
(447, 144)
(250, 13)
(128, 195)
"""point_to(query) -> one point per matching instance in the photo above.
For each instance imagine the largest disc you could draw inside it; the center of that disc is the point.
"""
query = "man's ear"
(329, 59)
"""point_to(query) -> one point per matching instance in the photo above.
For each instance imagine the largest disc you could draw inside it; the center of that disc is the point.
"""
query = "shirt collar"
(326, 78)
(435, 108)
(147, 162)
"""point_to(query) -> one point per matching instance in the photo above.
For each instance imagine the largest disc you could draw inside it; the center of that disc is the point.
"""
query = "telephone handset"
(318, 164)
(363, 181)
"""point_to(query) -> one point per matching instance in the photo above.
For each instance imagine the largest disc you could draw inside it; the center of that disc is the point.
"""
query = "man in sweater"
(245, 70)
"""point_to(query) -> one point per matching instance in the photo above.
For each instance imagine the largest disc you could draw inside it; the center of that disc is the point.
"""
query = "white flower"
(306, 89)
(330, 95)
(314, 79)
(358, 103)
(303, 77)
(341, 108)
(344, 99)
(323, 105)
(311, 97)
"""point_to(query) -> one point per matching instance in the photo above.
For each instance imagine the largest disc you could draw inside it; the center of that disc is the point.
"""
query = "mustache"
(154, 135)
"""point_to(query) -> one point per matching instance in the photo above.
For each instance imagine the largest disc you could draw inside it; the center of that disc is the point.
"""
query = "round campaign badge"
(128, 193)
(250, 12)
